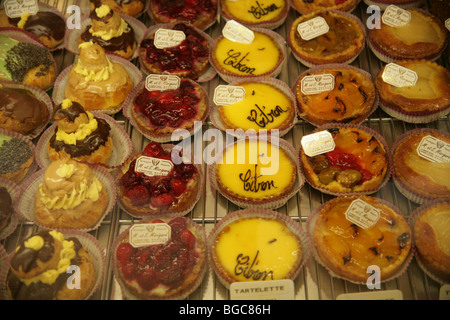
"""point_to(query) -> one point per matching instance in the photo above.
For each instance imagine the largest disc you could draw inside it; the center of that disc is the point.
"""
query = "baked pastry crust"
(426, 179)
(351, 100)
(341, 44)
(131, 8)
(431, 238)
(430, 95)
(424, 37)
(359, 162)
(348, 250)
(19, 171)
(308, 6)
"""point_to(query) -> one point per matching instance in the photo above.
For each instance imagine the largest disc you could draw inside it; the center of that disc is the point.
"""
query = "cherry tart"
(159, 113)
(199, 13)
(154, 271)
(166, 189)
(188, 59)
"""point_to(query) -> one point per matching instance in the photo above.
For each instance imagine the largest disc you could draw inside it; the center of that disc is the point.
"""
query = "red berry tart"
(151, 184)
(199, 13)
(159, 113)
(188, 59)
(169, 270)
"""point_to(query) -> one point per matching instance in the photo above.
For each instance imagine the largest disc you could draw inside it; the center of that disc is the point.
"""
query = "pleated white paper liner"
(231, 77)
(89, 242)
(122, 145)
(211, 23)
(4, 266)
(207, 75)
(73, 35)
(387, 58)
(33, 167)
(291, 224)
(412, 221)
(25, 201)
(271, 203)
(200, 236)
(310, 226)
(59, 91)
(269, 24)
(161, 138)
(358, 127)
(335, 7)
(24, 36)
(320, 68)
(14, 191)
(169, 213)
(216, 120)
(86, 8)
(405, 4)
(40, 95)
(413, 195)
(311, 64)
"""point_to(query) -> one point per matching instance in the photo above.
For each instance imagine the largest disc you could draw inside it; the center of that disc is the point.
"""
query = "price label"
(318, 143)
(160, 82)
(165, 38)
(225, 95)
(262, 290)
(314, 84)
(362, 214)
(313, 28)
(153, 166)
(237, 32)
(16, 8)
(399, 76)
(434, 149)
(394, 16)
(146, 234)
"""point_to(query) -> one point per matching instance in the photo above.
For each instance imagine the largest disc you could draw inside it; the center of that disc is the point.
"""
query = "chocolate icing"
(44, 24)
(70, 113)
(5, 204)
(21, 105)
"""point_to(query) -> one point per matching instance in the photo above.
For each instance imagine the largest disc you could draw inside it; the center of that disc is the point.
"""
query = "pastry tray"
(313, 282)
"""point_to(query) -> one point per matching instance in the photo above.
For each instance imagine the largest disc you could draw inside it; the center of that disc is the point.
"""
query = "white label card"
(314, 84)
(162, 82)
(372, 295)
(237, 32)
(395, 17)
(362, 214)
(165, 38)
(318, 143)
(444, 292)
(153, 166)
(225, 95)
(447, 24)
(313, 28)
(147, 234)
(399, 76)
(434, 149)
(262, 290)
(16, 8)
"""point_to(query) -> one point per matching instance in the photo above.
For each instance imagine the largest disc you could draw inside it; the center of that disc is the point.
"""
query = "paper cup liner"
(200, 236)
(207, 75)
(361, 118)
(59, 91)
(24, 36)
(86, 8)
(168, 213)
(40, 95)
(310, 226)
(90, 243)
(414, 195)
(25, 201)
(4, 265)
(230, 218)
(343, 8)
(269, 203)
(217, 121)
(342, 60)
(375, 134)
(405, 4)
(412, 221)
(122, 145)
(13, 221)
(73, 35)
(231, 77)
(33, 167)
(166, 137)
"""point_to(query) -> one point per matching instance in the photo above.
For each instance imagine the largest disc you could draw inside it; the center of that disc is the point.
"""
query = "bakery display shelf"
(313, 282)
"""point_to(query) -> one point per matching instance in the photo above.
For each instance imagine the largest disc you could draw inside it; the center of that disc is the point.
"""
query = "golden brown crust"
(348, 250)
(340, 44)
(35, 77)
(305, 7)
(18, 175)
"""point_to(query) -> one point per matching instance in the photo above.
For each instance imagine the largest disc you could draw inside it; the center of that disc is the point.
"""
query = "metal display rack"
(313, 281)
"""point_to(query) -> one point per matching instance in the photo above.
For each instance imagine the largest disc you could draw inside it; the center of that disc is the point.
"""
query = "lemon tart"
(250, 245)
(267, 105)
(422, 172)
(423, 37)
(425, 101)
(255, 172)
(348, 248)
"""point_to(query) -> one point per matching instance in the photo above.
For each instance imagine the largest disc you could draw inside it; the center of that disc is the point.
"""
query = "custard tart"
(308, 6)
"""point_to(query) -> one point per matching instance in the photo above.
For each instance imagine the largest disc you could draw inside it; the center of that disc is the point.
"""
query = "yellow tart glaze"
(253, 12)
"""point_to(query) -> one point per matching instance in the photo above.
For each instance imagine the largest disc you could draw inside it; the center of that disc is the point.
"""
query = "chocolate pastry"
(5, 207)
(129, 7)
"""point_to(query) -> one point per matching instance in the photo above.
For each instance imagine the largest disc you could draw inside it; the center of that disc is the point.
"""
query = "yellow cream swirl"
(84, 130)
(89, 74)
(101, 12)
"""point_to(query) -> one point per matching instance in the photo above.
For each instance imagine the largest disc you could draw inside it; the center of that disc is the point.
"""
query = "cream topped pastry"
(95, 81)
(70, 196)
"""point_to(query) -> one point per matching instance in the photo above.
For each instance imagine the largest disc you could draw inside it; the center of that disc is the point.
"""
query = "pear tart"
(426, 101)
(351, 100)
(423, 37)
(348, 249)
